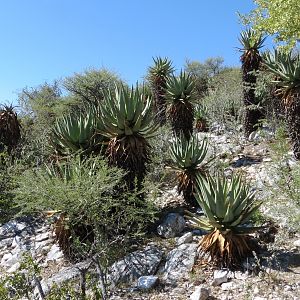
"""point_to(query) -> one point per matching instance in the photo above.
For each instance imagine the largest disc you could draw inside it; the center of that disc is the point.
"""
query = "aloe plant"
(10, 128)
(188, 158)
(286, 67)
(228, 206)
(158, 75)
(127, 121)
(201, 118)
(73, 134)
(180, 96)
(251, 60)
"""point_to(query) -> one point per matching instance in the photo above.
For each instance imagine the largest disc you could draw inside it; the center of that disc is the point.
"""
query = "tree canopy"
(203, 72)
(89, 87)
(278, 18)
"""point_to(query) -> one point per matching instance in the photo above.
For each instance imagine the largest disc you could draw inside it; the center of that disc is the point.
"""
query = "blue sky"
(44, 40)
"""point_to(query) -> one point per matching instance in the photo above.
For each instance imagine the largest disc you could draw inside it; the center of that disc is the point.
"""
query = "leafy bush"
(223, 101)
(158, 173)
(19, 284)
(284, 194)
(6, 185)
(92, 212)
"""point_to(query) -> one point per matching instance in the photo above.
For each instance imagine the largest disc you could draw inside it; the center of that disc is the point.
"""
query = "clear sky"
(44, 40)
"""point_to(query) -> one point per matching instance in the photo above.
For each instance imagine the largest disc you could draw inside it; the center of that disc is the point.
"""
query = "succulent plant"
(228, 206)
(179, 96)
(127, 121)
(10, 128)
(201, 118)
(188, 158)
(158, 75)
(75, 133)
(286, 68)
(251, 60)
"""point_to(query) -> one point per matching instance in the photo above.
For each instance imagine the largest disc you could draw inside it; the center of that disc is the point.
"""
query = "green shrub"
(285, 191)
(86, 195)
(6, 186)
(223, 101)
(19, 284)
(158, 173)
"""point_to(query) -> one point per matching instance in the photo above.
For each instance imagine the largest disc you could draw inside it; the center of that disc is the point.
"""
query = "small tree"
(90, 86)
(276, 17)
(203, 72)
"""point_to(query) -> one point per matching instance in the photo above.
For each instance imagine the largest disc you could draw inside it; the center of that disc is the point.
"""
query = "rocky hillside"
(169, 265)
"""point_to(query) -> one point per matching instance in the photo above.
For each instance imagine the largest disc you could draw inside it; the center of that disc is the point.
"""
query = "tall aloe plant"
(10, 128)
(158, 75)
(127, 121)
(286, 68)
(251, 61)
(180, 96)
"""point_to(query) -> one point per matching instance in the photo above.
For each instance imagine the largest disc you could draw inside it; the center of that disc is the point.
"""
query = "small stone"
(44, 265)
(185, 239)
(6, 242)
(8, 260)
(220, 276)
(259, 298)
(64, 275)
(42, 229)
(288, 288)
(254, 136)
(179, 262)
(267, 159)
(16, 250)
(6, 257)
(46, 248)
(42, 237)
(10, 229)
(40, 245)
(147, 282)
(134, 265)
(16, 242)
(14, 268)
(54, 254)
(297, 243)
(20, 226)
(227, 286)
(240, 275)
(200, 293)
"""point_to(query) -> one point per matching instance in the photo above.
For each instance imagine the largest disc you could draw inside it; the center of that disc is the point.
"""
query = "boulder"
(139, 263)
(147, 282)
(172, 225)
(62, 276)
(180, 262)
